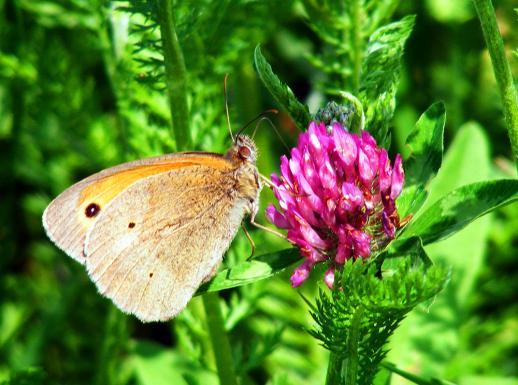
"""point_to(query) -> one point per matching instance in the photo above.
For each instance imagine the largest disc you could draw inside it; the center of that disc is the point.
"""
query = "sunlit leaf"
(262, 267)
(423, 162)
(460, 207)
(281, 92)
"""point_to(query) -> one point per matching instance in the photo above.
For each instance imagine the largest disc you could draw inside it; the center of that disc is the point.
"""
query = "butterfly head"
(243, 150)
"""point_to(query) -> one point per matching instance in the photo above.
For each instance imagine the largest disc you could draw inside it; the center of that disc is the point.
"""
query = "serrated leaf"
(262, 267)
(424, 160)
(380, 75)
(281, 92)
(460, 207)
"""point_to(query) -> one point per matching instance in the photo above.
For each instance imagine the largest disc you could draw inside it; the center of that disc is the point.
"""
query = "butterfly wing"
(153, 246)
(64, 219)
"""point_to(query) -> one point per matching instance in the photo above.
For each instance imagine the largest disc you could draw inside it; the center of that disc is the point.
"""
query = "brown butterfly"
(150, 232)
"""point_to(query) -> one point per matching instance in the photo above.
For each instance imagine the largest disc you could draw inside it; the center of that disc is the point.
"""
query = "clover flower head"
(336, 196)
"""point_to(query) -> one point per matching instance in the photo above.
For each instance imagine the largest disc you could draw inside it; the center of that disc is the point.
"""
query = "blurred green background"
(80, 90)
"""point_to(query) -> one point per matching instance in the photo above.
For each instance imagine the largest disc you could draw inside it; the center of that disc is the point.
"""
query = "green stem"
(116, 85)
(176, 76)
(351, 362)
(495, 45)
(113, 343)
(219, 339)
(356, 43)
(334, 369)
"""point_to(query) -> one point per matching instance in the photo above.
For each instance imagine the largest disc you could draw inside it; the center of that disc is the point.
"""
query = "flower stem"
(351, 362)
(334, 369)
(219, 339)
(356, 43)
(344, 369)
(501, 68)
(176, 76)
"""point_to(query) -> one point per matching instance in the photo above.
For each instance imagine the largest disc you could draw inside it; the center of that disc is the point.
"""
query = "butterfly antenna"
(261, 115)
(274, 128)
(226, 109)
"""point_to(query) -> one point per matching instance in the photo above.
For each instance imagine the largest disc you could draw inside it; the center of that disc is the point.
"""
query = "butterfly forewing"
(65, 219)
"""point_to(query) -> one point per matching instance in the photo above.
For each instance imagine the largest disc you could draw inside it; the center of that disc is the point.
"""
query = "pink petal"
(300, 274)
(303, 140)
(284, 197)
(364, 168)
(398, 178)
(328, 178)
(368, 139)
(286, 172)
(343, 253)
(295, 236)
(388, 227)
(361, 242)
(329, 277)
(352, 197)
(315, 256)
(314, 140)
(275, 180)
(373, 154)
(276, 217)
(311, 236)
(385, 173)
(345, 145)
(310, 172)
(306, 210)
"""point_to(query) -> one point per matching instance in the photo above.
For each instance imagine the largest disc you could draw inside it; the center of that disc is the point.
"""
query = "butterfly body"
(151, 231)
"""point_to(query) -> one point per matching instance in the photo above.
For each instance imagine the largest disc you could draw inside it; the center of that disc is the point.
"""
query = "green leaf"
(409, 248)
(28, 376)
(430, 337)
(460, 207)
(414, 378)
(357, 318)
(380, 75)
(155, 364)
(281, 92)
(264, 266)
(424, 160)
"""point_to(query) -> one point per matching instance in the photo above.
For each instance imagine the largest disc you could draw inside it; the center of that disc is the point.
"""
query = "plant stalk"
(219, 339)
(334, 369)
(502, 70)
(176, 76)
(356, 14)
(351, 362)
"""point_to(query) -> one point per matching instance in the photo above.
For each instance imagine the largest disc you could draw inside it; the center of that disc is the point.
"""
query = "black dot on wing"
(150, 275)
(131, 225)
(92, 210)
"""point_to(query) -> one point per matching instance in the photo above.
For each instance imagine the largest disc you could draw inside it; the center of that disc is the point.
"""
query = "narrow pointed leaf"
(460, 207)
(261, 267)
(422, 164)
(414, 378)
(380, 75)
(281, 92)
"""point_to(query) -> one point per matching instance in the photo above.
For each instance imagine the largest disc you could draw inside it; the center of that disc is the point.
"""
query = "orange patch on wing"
(105, 189)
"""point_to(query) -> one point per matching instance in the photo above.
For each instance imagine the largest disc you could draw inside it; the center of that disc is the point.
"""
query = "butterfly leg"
(266, 181)
(252, 243)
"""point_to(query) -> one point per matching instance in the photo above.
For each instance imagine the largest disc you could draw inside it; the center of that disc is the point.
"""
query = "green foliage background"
(81, 89)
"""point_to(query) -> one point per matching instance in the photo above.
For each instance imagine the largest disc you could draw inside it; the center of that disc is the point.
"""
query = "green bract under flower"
(337, 196)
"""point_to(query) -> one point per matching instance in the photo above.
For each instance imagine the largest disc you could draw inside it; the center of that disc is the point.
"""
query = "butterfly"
(151, 231)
